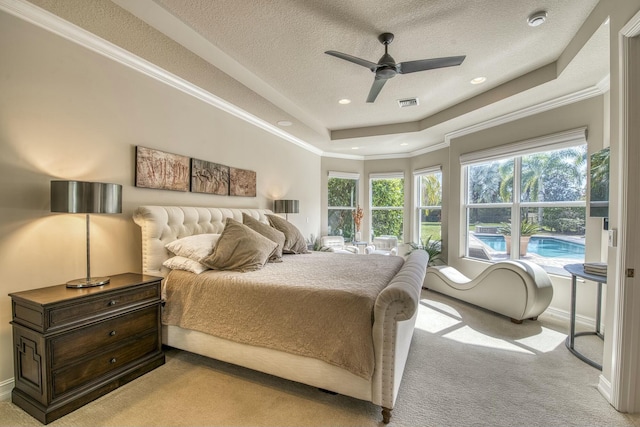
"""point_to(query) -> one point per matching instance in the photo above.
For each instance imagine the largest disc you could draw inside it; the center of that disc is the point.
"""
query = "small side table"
(358, 244)
(577, 270)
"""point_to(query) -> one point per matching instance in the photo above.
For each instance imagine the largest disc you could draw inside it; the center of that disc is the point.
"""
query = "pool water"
(548, 247)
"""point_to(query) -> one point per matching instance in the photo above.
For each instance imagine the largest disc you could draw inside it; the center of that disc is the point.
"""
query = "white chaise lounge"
(517, 289)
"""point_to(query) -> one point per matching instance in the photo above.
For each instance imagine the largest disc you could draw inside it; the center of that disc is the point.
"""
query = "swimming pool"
(549, 247)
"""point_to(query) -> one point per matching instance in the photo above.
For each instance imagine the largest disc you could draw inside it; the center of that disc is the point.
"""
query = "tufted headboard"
(163, 224)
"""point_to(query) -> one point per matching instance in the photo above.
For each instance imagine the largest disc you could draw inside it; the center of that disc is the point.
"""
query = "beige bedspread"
(317, 305)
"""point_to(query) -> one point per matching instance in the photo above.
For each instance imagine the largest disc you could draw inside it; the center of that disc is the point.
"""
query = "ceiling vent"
(408, 102)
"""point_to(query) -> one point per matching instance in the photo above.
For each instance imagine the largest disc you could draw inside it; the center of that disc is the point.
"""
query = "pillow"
(268, 232)
(182, 263)
(294, 242)
(194, 247)
(240, 248)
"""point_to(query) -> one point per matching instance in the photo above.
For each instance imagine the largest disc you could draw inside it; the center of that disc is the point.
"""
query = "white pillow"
(194, 247)
(182, 263)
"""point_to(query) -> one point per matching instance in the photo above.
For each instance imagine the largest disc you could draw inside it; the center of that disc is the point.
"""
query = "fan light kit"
(537, 18)
(387, 68)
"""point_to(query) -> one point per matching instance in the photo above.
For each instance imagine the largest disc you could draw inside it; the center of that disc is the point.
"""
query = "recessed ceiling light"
(404, 144)
(355, 148)
(537, 18)
(344, 101)
(284, 123)
(478, 80)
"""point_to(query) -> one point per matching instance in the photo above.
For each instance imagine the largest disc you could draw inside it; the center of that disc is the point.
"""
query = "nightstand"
(71, 346)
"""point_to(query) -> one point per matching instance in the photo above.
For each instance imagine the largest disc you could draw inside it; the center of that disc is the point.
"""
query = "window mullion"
(515, 210)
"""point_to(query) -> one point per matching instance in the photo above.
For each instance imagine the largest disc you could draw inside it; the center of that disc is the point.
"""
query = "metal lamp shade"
(86, 198)
(286, 206)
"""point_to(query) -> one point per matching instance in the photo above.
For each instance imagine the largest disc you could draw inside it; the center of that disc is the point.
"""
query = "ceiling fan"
(386, 68)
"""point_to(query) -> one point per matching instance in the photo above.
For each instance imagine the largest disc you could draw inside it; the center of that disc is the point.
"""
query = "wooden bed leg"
(386, 415)
(516, 321)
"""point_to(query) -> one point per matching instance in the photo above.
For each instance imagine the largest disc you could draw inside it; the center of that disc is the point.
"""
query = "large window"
(528, 202)
(343, 199)
(387, 205)
(428, 204)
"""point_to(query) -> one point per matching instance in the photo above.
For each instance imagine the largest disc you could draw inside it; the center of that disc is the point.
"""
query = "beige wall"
(68, 113)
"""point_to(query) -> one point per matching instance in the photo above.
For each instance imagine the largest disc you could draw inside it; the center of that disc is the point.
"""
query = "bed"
(259, 316)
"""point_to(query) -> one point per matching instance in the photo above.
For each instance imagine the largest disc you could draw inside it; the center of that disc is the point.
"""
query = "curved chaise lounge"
(517, 289)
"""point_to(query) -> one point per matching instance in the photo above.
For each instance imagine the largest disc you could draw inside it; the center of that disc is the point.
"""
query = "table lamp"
(87, 198)
(286, 207)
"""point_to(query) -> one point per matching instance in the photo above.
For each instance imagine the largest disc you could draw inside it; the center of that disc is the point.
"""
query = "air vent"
(409, 102)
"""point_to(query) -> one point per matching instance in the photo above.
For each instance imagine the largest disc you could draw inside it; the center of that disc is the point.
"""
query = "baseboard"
(604, 387)
(584, 321)
(5, 389)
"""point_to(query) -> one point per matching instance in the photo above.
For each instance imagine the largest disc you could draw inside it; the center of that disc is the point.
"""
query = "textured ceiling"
(276, 48)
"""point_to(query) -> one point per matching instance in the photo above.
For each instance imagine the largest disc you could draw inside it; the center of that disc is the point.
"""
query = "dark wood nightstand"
(71, 346)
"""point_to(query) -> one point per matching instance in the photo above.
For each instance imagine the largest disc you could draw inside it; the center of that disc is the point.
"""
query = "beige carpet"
(467, 367)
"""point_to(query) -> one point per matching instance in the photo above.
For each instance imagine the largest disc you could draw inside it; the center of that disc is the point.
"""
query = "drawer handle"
(112, 333)
(113, 360)
(113, 302)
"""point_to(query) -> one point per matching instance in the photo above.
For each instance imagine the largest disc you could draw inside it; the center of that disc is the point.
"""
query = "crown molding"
(56, 25)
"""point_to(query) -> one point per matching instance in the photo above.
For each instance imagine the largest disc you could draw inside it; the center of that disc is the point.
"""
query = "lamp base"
(88, 282)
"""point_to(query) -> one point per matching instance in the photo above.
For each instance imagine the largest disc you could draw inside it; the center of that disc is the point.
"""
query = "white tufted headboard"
(163, 224)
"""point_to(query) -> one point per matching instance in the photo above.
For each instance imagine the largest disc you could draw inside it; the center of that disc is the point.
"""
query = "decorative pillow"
(194, 247)
(182, 263)
(268, 232)
(294, 242)
(240, 248)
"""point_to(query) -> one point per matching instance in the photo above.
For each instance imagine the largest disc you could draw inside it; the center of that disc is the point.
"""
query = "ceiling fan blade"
(429, 64)
(376, 87)
(370, 65)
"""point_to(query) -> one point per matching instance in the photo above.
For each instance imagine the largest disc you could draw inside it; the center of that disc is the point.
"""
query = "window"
(343, 199)
(428, 204)
(528, 201)
(387, 205)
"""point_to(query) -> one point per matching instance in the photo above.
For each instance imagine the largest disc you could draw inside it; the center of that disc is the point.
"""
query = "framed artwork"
(209, 177)
(161, 170)
(242, 182)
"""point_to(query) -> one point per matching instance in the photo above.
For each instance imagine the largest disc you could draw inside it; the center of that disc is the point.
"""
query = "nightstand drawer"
(99, 306)
(74, 376)
(69, 347)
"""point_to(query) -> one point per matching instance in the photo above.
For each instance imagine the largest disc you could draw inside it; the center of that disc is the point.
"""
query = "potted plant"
(432, 247)
(527, 229)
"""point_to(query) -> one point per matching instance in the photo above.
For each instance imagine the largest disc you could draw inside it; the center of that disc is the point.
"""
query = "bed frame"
(395, 313)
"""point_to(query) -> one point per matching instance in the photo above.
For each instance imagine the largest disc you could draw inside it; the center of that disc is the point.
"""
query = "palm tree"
(539, 168)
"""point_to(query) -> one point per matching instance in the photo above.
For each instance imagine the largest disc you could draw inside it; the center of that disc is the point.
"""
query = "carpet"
(466, 367)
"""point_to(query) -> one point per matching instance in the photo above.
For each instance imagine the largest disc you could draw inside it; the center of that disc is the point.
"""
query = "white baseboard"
(584, 321)
(5, 389)
(604, 387)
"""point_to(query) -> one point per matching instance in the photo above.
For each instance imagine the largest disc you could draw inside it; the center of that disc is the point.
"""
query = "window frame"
(418, 207)
(381, 176)
(348, 176)
(515, 151)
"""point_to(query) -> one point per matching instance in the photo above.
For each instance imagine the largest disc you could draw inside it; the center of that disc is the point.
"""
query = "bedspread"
(318, 305)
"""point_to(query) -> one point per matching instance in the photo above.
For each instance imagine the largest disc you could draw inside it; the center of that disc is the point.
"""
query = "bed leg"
(516, 321)
(386, 415)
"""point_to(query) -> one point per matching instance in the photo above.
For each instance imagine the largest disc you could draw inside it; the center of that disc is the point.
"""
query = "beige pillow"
(294, 242)
(193, 247)
(240, 248)
(181, 263)
(268, 232)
